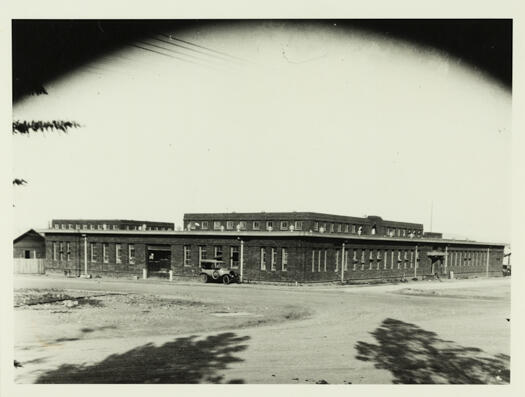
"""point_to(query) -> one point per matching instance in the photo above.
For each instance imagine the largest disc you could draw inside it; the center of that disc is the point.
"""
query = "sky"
(271, 116)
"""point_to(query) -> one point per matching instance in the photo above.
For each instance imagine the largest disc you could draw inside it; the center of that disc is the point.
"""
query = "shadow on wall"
(416, 356)
(184, 360)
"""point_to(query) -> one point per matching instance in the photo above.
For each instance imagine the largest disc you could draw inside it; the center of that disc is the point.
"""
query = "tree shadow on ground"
(416, 356)
(183, 360)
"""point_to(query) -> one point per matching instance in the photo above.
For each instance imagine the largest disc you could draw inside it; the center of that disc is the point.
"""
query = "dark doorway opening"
(159, 261)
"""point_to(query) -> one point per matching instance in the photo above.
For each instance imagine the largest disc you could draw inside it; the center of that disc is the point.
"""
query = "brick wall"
(361, 266)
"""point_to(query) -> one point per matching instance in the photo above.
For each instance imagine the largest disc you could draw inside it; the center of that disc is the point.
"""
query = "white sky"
(318, 119)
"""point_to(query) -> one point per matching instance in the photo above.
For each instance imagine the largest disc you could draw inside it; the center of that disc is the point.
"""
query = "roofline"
(339, 236)
(292, 214)
(40, 232)
(107, 220)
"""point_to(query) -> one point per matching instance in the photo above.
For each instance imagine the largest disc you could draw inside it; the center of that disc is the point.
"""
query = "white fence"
(27, 266)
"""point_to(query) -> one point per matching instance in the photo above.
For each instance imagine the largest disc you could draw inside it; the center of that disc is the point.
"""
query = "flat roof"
(231, 233)
(294, 214)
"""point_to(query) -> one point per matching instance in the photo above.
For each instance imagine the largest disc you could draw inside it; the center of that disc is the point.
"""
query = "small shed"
(30, 245)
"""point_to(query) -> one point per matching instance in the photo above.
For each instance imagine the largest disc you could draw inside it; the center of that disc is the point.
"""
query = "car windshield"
(212, 265)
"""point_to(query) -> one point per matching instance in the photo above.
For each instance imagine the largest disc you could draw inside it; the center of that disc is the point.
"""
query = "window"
(118, 253)
(186, 255)
(353, 228)
(371, 260)
(273, 259)
(346, 228)
(243, 225)
(284, 225)
(92, 252)
(205, 225)
(313, 261)
(234, 256)
(63, 226)
(339, 228)
(217, 252)
(331, 227)
(61, 250)
(354, 258)
(346, 260)
(318, 260)
(337, 253)
(92, 227)
(99, 227)
(229, 225)
(284, 259)
(411, 259)
(77, 226)
(363, 253)
(324, 262)
(216, 225)
(385, 260)
(202, 253)
(256, 225)
(316, 226)
(263, 258)
(298, 225)
(131, 254)
(392, 260)
(56, 226)
(54, 250)
(105, 253)
(269, 225)
(27, 254)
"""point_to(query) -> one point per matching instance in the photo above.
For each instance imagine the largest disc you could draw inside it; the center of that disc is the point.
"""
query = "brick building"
(274, 247)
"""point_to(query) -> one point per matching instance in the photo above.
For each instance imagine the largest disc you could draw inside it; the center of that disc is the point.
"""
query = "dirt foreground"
(121, 332)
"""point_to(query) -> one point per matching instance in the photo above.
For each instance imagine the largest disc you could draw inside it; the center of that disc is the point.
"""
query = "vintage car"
(216, 270)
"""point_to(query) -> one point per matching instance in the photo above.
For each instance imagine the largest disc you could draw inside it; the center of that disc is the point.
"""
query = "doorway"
(158, 261)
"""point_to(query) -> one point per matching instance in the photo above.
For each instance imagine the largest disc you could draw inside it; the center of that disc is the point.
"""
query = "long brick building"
(274, 247)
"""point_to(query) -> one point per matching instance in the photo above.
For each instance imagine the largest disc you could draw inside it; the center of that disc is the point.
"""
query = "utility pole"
(415, 263)
(241, 262)
(85, 255)
(343, 264)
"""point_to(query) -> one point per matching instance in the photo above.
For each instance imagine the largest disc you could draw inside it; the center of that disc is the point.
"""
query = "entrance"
(437, 259)
(437, 265)
(158, 260)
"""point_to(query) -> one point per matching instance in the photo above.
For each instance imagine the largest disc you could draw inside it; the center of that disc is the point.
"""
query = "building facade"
(294, 247)
(301, 221)
(109, 224)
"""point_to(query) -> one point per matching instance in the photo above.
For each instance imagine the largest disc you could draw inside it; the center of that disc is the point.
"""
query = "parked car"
(216, 270)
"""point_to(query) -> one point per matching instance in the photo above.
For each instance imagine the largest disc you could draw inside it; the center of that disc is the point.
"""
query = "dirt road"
(422, 332)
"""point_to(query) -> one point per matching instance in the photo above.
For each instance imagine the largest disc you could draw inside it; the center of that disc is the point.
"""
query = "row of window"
(103, 226)
(269, 256)
(217, 254)
(298, 225)
(256, 225)
(386, 258)
(467, 258)
(389, 259)
(62, 251)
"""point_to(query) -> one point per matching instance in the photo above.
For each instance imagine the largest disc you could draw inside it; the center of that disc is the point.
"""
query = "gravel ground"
(422, 332)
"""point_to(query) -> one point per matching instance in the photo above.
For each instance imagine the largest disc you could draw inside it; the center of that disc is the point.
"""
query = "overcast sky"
(287, 117)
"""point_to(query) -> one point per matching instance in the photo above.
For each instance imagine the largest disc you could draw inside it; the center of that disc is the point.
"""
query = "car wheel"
(215, 275)
(204, 278)
(226, 279)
